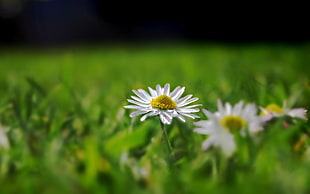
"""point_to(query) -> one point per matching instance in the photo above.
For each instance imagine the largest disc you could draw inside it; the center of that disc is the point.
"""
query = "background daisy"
(273, 110)
(227, 121)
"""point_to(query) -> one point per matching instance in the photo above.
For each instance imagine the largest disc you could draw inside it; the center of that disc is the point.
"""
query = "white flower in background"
(4, 142)
(164, 103)
(229, 120)
(273, 110)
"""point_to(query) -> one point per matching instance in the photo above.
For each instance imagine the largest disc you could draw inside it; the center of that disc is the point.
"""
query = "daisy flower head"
(162, 102)
(273, 110)
(225, 123)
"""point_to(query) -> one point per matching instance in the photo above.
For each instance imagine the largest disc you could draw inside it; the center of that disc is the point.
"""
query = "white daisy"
(273, 110)
(222, 125)
(164, 103)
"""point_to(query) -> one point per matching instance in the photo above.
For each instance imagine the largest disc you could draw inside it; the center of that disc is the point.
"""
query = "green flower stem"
(214, 168)
(165, 136)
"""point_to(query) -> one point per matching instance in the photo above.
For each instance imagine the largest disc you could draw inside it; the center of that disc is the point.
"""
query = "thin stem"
(165, 135)
(214, 168)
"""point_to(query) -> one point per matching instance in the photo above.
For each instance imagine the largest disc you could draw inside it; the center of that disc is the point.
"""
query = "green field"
(69, 133)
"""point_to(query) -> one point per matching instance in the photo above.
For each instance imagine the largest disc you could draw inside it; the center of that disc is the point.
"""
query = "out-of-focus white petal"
(256, 126)
(297, 112)
(228, 145)
(207, 143)
(220, 107)
(209, 114)
(202, 123)
(249, 109)
(237, 108)
(228, 108)
(203, 131)
(4, 142)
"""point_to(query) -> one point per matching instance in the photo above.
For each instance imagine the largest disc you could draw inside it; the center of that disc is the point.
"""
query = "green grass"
(68, 131)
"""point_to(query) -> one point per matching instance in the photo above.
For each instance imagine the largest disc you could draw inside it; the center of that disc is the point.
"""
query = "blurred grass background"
(69, 133)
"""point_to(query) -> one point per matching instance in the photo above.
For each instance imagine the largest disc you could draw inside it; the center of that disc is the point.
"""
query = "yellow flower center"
(233, 123)
(273, 108)
(163, 102)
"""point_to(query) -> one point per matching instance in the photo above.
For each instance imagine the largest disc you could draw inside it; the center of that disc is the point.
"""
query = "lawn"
(68, 131)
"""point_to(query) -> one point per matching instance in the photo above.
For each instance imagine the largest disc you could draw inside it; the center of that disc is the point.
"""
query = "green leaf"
(126, 140)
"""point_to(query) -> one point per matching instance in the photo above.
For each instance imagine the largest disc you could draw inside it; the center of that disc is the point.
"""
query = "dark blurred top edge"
(52, 23)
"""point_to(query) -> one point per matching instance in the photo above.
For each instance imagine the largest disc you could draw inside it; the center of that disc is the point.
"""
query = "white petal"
(188, 110)
(188, 102)
(145, 94)
(228, 145)
(138, 112)
(133, 107)
(262, 109)
(237, 109)
(140, 95)
(297, 112)
(254, 127)
(4, 130)
(202, 123)
(138, 103)
(266, 118)
(228, 108)
(193, 106)
(167, 115)
(203, 131)
(139, 99)
(178, 94)
(148, 115)
(220, 107)
(159, 90)
(173, 112)
(209, 114)
(175, 91)
(181, 118)
(181, 100)
(164, 119)
(4, 141)
(166, 89)
(153, 92)
(190, 115)
(250, 109)
(207, 143)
